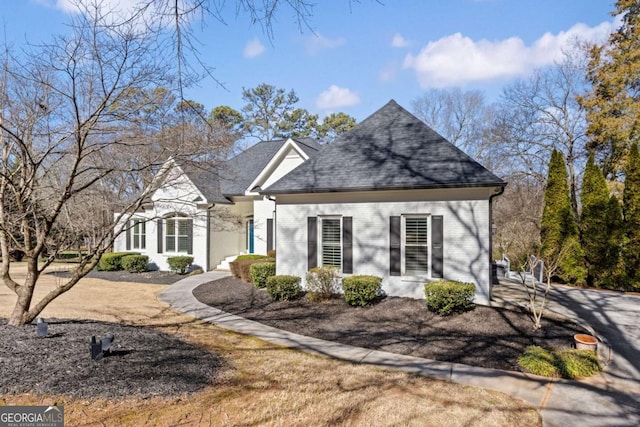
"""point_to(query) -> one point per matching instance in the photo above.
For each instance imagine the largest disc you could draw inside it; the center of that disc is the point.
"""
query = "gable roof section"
(390, 150)
(239, 172)
(206, 178)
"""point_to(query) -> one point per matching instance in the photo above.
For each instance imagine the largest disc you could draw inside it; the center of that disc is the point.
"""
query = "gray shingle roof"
(206, 178)
(391, 149)
(231, 178)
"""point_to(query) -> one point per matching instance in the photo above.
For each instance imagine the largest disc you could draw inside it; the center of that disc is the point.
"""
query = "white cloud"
(389, 72)
(337, 97)
(318, 42)
(253, 48)
(399, 41)
(456, 60)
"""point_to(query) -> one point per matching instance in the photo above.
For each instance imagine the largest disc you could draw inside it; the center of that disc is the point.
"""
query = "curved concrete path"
(560, 402)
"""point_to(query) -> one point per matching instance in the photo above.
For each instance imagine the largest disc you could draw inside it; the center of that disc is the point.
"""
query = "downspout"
(208, 257)
(497, 192)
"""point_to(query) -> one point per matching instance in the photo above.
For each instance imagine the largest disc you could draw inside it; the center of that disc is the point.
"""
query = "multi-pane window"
(331, 243)
(139, 234)
(416, 245)
(177, 235)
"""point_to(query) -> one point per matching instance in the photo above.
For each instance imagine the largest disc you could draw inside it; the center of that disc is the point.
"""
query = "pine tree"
(631, 253)
(559, 232)
(614, 276)
(594, 223)
(613, 105)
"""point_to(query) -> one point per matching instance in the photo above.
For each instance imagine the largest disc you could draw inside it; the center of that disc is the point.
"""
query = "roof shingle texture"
(391, 149)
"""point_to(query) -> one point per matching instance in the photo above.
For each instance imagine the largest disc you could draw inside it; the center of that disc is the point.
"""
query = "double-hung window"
(331, 242)
(139, 234)
(177, 234)
(415, 239)
(416, 245)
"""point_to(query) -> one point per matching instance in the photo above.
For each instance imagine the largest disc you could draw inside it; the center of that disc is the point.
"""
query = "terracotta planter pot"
(585, 342)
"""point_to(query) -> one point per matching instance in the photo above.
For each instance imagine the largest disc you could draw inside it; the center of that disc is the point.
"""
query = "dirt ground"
(254, 383)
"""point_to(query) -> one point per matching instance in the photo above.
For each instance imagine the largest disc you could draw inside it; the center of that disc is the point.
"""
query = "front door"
(250, 236)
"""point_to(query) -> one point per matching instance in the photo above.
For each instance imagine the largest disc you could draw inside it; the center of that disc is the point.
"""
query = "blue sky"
(360, 54)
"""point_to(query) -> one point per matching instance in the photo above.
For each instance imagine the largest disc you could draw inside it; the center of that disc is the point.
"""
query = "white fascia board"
(166, 169)
(275, 160)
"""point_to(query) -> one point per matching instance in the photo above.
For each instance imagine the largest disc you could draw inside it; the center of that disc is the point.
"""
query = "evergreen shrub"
(112, 261)
(283, 288)
(448, 296)
(361, 290)
(180, 264)
(135, 263)
(260, 272)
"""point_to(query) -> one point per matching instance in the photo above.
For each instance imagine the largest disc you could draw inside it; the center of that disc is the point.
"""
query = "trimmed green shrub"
(180, 264)
(244, 266)
(447, 296)
(112, 261)
(261, 271)
(361, 290)
(322, 283)
(271, 253)
(569, 364)
(135, 263)
(283, 288)
(234, 266)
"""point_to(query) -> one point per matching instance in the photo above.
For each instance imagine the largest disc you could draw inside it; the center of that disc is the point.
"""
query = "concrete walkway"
(596, 402)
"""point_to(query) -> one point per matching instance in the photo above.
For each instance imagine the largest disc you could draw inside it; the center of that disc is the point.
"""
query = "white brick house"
(390, 198)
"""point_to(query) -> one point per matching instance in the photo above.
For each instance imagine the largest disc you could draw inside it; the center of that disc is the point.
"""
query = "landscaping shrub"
(283, 288)
(135, 263)
(112, 261)
(271, 253)
(261, 271)
(180, 264)
(234, 267)
(244, 266)
(448, 296)
(322, 283)
(361, 290)
(569, 364)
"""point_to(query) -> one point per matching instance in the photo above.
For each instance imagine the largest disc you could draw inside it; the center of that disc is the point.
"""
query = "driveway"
(612, 397)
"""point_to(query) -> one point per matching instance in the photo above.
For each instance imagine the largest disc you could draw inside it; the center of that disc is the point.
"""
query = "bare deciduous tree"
(67, 143)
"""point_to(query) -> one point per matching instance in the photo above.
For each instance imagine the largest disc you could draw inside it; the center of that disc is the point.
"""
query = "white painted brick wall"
(466, 239)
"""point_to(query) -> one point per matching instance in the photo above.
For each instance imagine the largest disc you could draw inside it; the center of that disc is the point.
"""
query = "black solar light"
(107, 340)
(96, 348)
(41, 327)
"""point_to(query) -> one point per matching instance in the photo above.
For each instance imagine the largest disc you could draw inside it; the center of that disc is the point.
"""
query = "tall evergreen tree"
(559, 232)
(631, 254)
(613, 105)
(595, 226)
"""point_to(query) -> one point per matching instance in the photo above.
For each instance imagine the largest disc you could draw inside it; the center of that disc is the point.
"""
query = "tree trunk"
(20, 315)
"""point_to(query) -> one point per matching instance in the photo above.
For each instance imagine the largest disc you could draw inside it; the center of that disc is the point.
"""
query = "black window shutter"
(143, 235)
(269, 234)
(128, 235)
(190, 236)
(394, 246)
(437, 253)
(312, 242)
(160, 236)
(347, 245)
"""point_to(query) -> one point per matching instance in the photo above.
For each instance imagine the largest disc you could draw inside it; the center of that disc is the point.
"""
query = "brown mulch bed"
(156, 277)
(144, 361)
(486, 337)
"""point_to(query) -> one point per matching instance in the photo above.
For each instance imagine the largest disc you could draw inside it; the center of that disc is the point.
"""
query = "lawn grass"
(262, 384)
